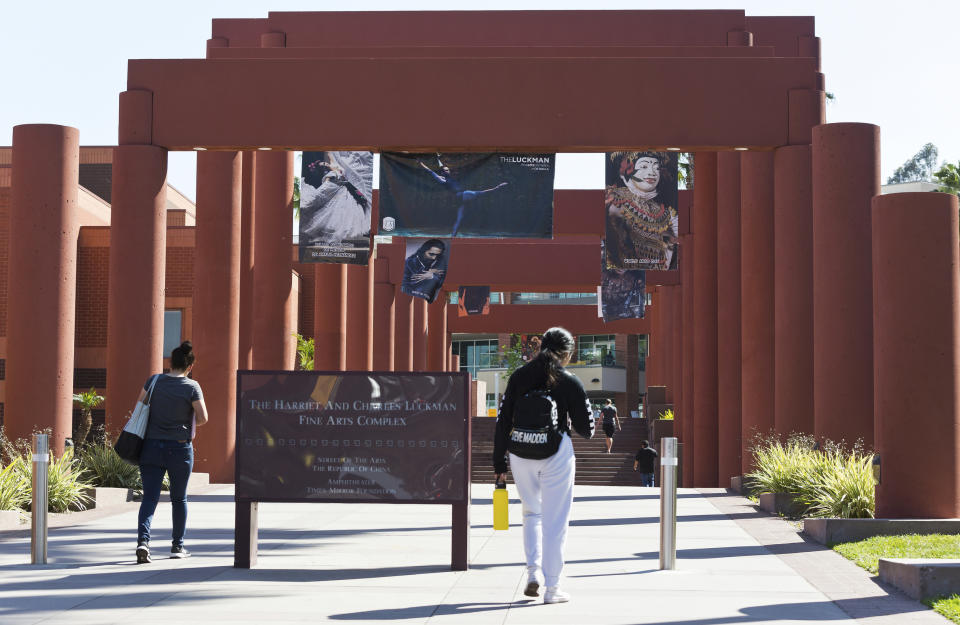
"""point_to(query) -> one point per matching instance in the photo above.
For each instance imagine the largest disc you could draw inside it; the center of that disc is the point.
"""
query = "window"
(584, 299)
(597, 349)
(172, 328)
(477, 354)
(491, 401)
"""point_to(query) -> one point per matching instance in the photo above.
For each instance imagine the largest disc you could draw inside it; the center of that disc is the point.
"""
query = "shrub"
(14, 489)
(666, 415)
(102, 467)
(845, 488)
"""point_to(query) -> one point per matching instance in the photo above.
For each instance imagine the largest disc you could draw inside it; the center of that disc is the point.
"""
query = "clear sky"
(893, 64)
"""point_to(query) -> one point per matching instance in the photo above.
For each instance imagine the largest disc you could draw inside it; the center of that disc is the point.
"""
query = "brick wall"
(180, 271)
(97, 178)
(5, 200)
(93, 271)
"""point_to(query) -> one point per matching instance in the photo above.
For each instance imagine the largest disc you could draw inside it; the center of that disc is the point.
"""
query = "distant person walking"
(611, 423)
(176, 406)
(644, 462)
(541, 402)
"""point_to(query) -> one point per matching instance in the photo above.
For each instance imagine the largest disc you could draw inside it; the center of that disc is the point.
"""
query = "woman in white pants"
(545, 484)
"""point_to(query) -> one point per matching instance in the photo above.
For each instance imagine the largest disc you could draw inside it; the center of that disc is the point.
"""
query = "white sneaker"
(555, 595)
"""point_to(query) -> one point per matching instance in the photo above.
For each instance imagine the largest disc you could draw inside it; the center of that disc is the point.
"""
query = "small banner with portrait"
(641, 210)
(467, 195)
(336, 198)
(473, 300)
(623, 292)
(425, 268)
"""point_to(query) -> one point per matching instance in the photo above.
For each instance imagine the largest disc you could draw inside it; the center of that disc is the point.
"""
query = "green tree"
(949, 178)
(918, 168)
(88, 400)
(512, 356)
(304, 353)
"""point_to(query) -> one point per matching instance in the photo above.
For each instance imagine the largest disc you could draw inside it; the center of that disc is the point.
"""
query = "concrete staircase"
(594, 465)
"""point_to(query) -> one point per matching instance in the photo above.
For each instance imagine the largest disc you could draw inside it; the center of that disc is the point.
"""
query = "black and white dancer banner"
(473, 300)
(467, 195)
(425, 268)
(623, 292)
(641, 210)
(336, 196)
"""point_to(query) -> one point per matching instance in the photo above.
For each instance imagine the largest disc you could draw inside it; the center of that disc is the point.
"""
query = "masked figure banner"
(425, 268)
(467, 195)
(336, 196)
(641, 210)
(473, 300)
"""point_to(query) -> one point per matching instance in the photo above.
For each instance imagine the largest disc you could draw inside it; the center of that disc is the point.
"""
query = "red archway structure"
(584, 81)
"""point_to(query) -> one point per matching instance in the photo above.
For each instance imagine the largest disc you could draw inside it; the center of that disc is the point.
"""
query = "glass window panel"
(172, 325)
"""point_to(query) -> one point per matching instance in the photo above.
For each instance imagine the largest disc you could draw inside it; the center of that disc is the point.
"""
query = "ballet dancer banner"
(641, 210)
(425, 268)
(467, 195)
(336, 196)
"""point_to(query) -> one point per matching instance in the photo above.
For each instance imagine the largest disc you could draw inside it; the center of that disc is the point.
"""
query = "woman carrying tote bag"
(176, 406)
(545, 482)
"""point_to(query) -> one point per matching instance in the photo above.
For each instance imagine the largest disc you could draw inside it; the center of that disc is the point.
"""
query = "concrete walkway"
(374, 563)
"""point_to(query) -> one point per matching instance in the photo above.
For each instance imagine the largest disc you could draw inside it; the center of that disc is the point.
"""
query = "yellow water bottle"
(500, 507)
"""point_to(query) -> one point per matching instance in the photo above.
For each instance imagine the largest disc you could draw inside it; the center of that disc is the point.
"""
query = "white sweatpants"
(546, 491)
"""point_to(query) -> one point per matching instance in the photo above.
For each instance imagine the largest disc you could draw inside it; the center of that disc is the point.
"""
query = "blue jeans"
(646, 479)
(175, 459)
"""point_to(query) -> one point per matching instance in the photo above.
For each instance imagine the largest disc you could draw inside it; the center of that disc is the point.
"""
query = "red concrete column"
(728, 315)
(437, 334)
(384, 317)
(138, 239)
(403, 354)
(216, 307)
(273, 223)
(677, 373)
(667, 321)
(916, 313)
(687, 417)
(420, 327)
(368, 355)
(248, 193)
(357, 298)
(655, 340)
(42, 282)
(846, 176)
(705, 320)
(329, 317)
(793, 290)
(756, 292)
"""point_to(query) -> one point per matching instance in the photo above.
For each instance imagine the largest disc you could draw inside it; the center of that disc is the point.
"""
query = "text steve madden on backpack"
(536, 429)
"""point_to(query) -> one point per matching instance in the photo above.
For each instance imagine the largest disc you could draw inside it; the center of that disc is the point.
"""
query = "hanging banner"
(473, 300)
(641, 210)
(425, 268)
(467, 195)
(336, 196)
(623, 292)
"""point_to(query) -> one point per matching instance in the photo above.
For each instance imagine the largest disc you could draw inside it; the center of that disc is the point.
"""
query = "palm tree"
(88, 400)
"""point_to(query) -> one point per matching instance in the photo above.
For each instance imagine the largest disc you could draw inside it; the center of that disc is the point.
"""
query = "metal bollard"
(38, 508)
(668, 503)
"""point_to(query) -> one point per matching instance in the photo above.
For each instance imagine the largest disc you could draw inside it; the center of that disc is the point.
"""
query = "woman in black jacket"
(545, 485)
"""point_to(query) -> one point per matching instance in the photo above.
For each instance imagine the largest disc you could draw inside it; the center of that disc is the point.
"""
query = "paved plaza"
(359, 563)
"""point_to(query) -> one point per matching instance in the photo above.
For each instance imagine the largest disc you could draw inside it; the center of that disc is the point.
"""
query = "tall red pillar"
(138, 240)
(437, 334)
(846, 176)
(216, 306)
(247, 208)
(667, 322)
(329, 317)
(655, 340)
(687, 417)
(420, 326)
(677, 373)
(756, 288)
(384, 317)
(357, 299)
(368, 355)
(728, 315)
(916, 312)
(42, 282)
(793, 290)
(705, 320)
(403, 320)
(273, 222)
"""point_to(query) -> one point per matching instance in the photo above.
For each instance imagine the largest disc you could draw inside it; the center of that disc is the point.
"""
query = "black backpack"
(536, 429)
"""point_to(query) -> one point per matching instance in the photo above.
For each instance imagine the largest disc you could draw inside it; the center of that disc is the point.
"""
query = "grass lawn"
(867, 554)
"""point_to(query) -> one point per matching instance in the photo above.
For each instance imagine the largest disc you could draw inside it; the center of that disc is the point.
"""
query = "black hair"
(431, 243)
(554, 347)
(182, 357)
(644, 443)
